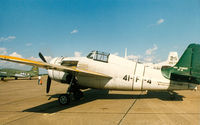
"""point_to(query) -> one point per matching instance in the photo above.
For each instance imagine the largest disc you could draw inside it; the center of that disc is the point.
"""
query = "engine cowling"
(60, 76)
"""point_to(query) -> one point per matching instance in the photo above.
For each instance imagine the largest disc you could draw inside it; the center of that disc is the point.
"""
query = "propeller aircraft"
(102, 70)
(16, 73)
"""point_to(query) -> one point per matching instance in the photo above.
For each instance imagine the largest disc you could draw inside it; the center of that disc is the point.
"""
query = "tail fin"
(172, 58)
(188, 67)
(35, 70)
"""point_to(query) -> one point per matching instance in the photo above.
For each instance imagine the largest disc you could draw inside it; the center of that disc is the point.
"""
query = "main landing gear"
(172, 95)
(73, 92)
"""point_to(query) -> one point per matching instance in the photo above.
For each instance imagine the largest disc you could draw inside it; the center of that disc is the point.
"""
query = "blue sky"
(63, 27)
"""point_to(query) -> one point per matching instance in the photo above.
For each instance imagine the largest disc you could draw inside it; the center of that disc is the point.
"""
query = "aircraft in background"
(8, 72)
(102, 70)
(171, 61)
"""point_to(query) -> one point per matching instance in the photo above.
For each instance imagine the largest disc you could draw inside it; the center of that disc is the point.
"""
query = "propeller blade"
(48, 79)
(48, 84)
(42, 57)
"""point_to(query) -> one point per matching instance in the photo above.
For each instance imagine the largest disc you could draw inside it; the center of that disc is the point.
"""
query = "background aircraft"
(8, 72)
(102, 70)
(171, 61)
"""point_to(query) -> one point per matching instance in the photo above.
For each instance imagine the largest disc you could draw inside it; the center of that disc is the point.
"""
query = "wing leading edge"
(51, 66)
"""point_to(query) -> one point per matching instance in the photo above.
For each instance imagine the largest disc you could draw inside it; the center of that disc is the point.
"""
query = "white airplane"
(171, 61)
(106, 71)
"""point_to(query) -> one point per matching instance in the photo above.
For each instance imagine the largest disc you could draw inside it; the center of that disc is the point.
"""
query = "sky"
(148, 29)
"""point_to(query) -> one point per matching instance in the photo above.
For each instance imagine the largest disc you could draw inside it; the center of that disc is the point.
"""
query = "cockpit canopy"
(99, 56)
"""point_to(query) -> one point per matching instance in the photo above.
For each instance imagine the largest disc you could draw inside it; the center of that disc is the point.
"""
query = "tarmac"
(24, 102)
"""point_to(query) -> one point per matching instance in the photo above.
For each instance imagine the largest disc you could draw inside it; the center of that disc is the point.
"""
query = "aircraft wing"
(51, 66)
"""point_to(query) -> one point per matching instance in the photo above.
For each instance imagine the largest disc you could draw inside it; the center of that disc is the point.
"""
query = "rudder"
(187, 68)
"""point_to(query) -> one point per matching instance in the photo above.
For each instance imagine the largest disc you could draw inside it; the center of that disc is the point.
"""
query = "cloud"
(34, 58)
(6, 64)
(74, 31)
(133, 57)
(149, 59)
(77, 54)
(150, 54)
(151, 50)
(15, 54)
(3, 51)
(48, 58)
(28, 44)
(2, 39)
(160, 21)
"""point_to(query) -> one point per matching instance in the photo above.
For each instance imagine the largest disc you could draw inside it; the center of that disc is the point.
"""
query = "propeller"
(42, 57)
(48, 84)
(48, 79)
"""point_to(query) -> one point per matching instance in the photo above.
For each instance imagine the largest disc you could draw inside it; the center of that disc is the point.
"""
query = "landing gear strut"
(73, 90)
(172, 95)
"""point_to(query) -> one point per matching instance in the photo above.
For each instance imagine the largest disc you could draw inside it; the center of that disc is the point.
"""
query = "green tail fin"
(35, 70)
(188, 67)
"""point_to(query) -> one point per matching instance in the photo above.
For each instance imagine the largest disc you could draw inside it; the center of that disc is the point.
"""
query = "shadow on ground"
(92, 94)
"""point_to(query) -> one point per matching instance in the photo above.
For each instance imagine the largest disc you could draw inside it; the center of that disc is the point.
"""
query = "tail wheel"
(64, 99)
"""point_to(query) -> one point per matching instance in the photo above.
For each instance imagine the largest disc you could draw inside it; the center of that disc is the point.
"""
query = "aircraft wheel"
(64, 99)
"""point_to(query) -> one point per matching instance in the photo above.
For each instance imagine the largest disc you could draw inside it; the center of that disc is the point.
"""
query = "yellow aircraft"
(102, 70)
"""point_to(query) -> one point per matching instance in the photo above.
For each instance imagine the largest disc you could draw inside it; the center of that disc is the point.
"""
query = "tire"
(64, 99)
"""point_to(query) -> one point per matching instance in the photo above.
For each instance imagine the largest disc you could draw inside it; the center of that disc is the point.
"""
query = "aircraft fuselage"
(126, 75)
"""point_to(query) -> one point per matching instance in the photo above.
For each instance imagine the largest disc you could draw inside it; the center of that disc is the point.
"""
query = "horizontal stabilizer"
(184, 78)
